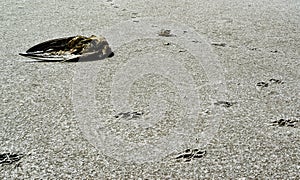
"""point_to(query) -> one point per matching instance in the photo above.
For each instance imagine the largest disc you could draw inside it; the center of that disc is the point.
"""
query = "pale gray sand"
(42, 118)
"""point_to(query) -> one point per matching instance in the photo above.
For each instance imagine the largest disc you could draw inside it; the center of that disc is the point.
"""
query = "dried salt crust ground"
(262, 40)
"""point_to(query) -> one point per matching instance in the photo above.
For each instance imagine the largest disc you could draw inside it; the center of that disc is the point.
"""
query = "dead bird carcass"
(71, 49)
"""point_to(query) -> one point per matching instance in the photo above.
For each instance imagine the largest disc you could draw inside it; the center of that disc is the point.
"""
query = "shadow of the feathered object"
(74, 60)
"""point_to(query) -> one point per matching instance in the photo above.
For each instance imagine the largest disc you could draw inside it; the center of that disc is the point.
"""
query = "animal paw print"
(224, 103)
(262, 84)
(112, 3)
(276, 81)
(190, 154)
(285, 122)
(129, 115)
(9, 158)
(271, 81)
(166, 33)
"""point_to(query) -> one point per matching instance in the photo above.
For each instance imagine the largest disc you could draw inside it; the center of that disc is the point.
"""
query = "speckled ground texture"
(37, 118)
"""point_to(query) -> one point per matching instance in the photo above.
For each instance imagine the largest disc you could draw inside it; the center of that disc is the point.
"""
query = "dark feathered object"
(70, 49)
